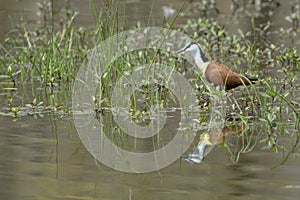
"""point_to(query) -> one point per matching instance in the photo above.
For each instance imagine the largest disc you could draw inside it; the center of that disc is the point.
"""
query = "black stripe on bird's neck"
(203, 56)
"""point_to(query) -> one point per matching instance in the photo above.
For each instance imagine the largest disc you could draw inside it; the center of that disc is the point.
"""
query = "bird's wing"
(219, 74)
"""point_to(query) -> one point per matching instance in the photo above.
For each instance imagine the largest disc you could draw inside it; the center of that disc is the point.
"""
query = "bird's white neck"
(200, 64)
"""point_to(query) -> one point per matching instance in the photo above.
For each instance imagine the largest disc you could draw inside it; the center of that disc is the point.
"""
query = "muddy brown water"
(43, 158)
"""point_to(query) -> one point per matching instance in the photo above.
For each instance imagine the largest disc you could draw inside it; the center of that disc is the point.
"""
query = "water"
(43, 158)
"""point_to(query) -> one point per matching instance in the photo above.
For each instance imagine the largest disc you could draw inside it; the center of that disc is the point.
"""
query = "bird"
(214, 72)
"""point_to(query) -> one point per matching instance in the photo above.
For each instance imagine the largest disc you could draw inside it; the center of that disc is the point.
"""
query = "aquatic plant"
(49, 55)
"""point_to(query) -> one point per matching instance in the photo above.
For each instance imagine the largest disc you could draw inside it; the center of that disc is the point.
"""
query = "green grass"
(49, 56)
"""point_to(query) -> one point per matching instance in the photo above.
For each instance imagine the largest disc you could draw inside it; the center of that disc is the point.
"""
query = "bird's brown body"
(221, 75)
(213, 72)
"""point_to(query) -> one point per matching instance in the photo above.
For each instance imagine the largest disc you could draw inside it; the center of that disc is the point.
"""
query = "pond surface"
(43, 157)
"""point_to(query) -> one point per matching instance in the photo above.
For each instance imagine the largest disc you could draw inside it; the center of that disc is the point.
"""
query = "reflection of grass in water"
(126, 142)
(50, 55)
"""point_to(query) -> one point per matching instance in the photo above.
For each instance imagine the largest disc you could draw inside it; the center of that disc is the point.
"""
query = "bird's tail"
(252, 80)
(248, 81)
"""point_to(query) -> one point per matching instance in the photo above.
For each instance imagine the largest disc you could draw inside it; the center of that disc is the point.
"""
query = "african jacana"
(214, 72)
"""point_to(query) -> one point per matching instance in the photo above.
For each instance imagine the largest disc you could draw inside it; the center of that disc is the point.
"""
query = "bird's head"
(195, 51)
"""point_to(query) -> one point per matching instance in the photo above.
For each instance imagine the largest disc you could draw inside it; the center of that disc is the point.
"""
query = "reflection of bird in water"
(213, 72)
(210, 138)
(198, 154)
